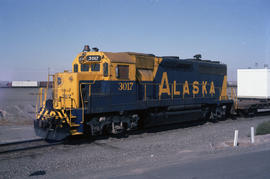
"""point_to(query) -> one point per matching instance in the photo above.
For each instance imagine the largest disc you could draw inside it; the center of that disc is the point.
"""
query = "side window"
(84, 67)
(122, 71)
(105, 69)
(75, 67)
(95, 67)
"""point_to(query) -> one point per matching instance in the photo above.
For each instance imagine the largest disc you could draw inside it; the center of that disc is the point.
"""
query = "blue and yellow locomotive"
(112, 92)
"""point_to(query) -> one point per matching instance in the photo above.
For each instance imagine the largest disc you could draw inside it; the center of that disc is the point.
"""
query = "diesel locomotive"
(110, 92)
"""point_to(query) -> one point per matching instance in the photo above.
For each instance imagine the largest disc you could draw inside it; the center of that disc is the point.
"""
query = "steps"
(75, 127)
(75, 132)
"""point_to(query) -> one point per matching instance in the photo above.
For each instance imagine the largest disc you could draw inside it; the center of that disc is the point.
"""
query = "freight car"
(113, 92)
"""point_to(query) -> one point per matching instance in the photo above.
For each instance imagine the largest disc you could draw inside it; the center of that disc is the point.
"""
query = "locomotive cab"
(87, 68)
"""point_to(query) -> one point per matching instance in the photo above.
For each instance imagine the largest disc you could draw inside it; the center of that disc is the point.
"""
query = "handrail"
(37, 104)
(82, 103)
(40, 96)
(145, 92)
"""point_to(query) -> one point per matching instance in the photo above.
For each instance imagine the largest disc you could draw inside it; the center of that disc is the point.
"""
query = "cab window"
(75, 67)
(122, 71)
(95, 67)
(105, 69)
(84, 67)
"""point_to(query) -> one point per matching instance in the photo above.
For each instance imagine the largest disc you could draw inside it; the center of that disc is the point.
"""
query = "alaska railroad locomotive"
(113, 92)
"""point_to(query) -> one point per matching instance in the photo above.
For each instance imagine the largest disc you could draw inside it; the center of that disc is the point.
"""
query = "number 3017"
(125, 86)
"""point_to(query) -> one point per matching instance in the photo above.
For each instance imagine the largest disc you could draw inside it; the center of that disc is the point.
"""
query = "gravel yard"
(111, 157)
(17, 105)
(136, 153)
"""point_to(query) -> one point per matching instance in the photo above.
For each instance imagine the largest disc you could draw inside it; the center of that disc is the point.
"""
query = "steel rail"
(25, 145)
(19, 142)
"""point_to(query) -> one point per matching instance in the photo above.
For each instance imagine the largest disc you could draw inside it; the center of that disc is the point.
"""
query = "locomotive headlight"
(81, 59)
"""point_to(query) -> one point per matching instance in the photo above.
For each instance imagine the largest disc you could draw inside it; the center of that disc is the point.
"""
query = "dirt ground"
(17, 105)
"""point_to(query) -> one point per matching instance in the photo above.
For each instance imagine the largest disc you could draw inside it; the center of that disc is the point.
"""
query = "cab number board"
(125, 86)
(93, 58)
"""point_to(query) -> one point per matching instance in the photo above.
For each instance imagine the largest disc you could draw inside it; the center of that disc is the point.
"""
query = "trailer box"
(24, 84)
(253, 83)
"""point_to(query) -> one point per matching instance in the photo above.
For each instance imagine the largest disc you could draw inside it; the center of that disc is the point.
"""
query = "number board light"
(93, 58)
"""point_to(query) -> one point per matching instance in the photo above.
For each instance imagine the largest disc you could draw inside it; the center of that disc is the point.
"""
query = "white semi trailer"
(253, 90)
(24, 84)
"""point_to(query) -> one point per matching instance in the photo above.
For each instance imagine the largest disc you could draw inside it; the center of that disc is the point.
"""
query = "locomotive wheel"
(87, 131)
(243, 113)
(252, 112)
(217, 113)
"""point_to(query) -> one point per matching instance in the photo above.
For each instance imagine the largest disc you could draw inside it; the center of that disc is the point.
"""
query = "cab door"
(123, 88)
(99, 90)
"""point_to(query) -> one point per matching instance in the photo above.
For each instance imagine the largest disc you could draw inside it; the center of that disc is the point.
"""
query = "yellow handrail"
(40, 96)
(82, 103)
(37, 106)
(144, 91)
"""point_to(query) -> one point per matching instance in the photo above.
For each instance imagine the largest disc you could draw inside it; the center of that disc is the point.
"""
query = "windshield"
(95, 67)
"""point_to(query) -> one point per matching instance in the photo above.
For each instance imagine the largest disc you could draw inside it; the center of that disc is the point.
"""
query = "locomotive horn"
(197, 56)
(86, 48)
(95, 49)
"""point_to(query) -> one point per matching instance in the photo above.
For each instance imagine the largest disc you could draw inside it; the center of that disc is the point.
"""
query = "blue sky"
(37, 34)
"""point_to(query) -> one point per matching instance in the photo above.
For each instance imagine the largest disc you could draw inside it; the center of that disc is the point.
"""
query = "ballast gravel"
(136, 153)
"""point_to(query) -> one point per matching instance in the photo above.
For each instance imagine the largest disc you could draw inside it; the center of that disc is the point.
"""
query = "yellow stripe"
(145, 92)
(41, 112)
(60, 115)
(157, 62)
(76, 133)
(223, 94)
(46, 112)
(65, 115)
(52, 113)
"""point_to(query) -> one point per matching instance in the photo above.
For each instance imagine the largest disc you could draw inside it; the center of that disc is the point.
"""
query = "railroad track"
(25, 145)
